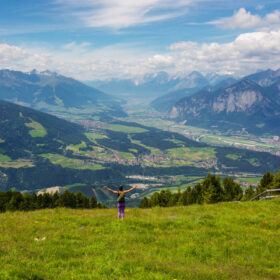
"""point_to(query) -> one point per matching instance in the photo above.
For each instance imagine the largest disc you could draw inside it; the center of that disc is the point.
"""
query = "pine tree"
(249, 193)
(265, 181)
(155, 199)
(232, 190)
(145, 203)
(79, 200)
(15, 201)
(4, 199)
(68, 200)
(187, 196)
(93, 202)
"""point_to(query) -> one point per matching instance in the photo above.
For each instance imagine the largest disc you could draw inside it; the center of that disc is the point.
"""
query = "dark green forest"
(212, 189)
(12, 201)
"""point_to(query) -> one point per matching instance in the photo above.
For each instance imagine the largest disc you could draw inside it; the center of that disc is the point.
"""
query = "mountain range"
(49, 91)
(38, 150)
(211, 100)
(185, 86)
(151, 85)
(250, 104)
(157, 84)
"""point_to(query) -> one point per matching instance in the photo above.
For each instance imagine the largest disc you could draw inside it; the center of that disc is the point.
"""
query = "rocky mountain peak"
(249, 104)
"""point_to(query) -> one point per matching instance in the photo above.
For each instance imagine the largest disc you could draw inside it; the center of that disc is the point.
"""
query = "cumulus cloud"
(78, 60)
(243, 19)
(119, 14)
(21, 59)
(246, 54)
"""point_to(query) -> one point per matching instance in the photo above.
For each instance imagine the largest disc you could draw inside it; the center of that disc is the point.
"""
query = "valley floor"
(222, 241)
(265, 143)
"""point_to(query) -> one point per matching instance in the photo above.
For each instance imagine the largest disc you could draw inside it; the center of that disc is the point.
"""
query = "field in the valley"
(223, 241)
(249, 142)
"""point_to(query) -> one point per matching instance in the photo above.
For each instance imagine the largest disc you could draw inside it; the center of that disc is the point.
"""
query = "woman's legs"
(119, 212)
(122, 212)
(121, 207)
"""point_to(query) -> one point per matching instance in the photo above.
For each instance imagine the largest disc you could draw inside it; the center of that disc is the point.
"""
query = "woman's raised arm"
(131, 189)
(110, 190)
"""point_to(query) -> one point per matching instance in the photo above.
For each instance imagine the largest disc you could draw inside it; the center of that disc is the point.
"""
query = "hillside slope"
(49, 91)
(222, 241)
(191, 84)
(38, 150)
(244, 105)
(34, 151)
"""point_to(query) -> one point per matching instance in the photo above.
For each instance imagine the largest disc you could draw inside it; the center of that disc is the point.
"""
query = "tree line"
(212, 189)
(12, 201)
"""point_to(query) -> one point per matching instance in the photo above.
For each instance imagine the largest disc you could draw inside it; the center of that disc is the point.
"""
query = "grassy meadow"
(36, 129)
(125, 129)
(222, 241)
(7, 162)
(71, 162)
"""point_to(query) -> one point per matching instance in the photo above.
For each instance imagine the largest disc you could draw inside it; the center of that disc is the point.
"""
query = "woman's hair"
(121, 188)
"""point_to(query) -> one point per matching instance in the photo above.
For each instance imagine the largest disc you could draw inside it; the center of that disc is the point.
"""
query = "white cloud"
(119, 14)
(18, 58)
(76, 46)
(77, 60)
(273, 18)
(247, 53)
(243, 19)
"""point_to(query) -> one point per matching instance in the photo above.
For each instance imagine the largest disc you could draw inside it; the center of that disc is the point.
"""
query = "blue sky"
(100, 39)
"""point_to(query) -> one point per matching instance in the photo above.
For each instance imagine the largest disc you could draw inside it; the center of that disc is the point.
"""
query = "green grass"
(225, 241)
(36, 129)
(127, 156)
(99, 152)
(95, 136)
(96, 151)
(192, 154)
(153, 150)
(204, 135)
(16, 164)
(76, 148)
(73, 163)
(233, 156)
(126, 129)
(4, 158)
(254, 180)
(254, 161)
(235, 140)
(7, 162)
